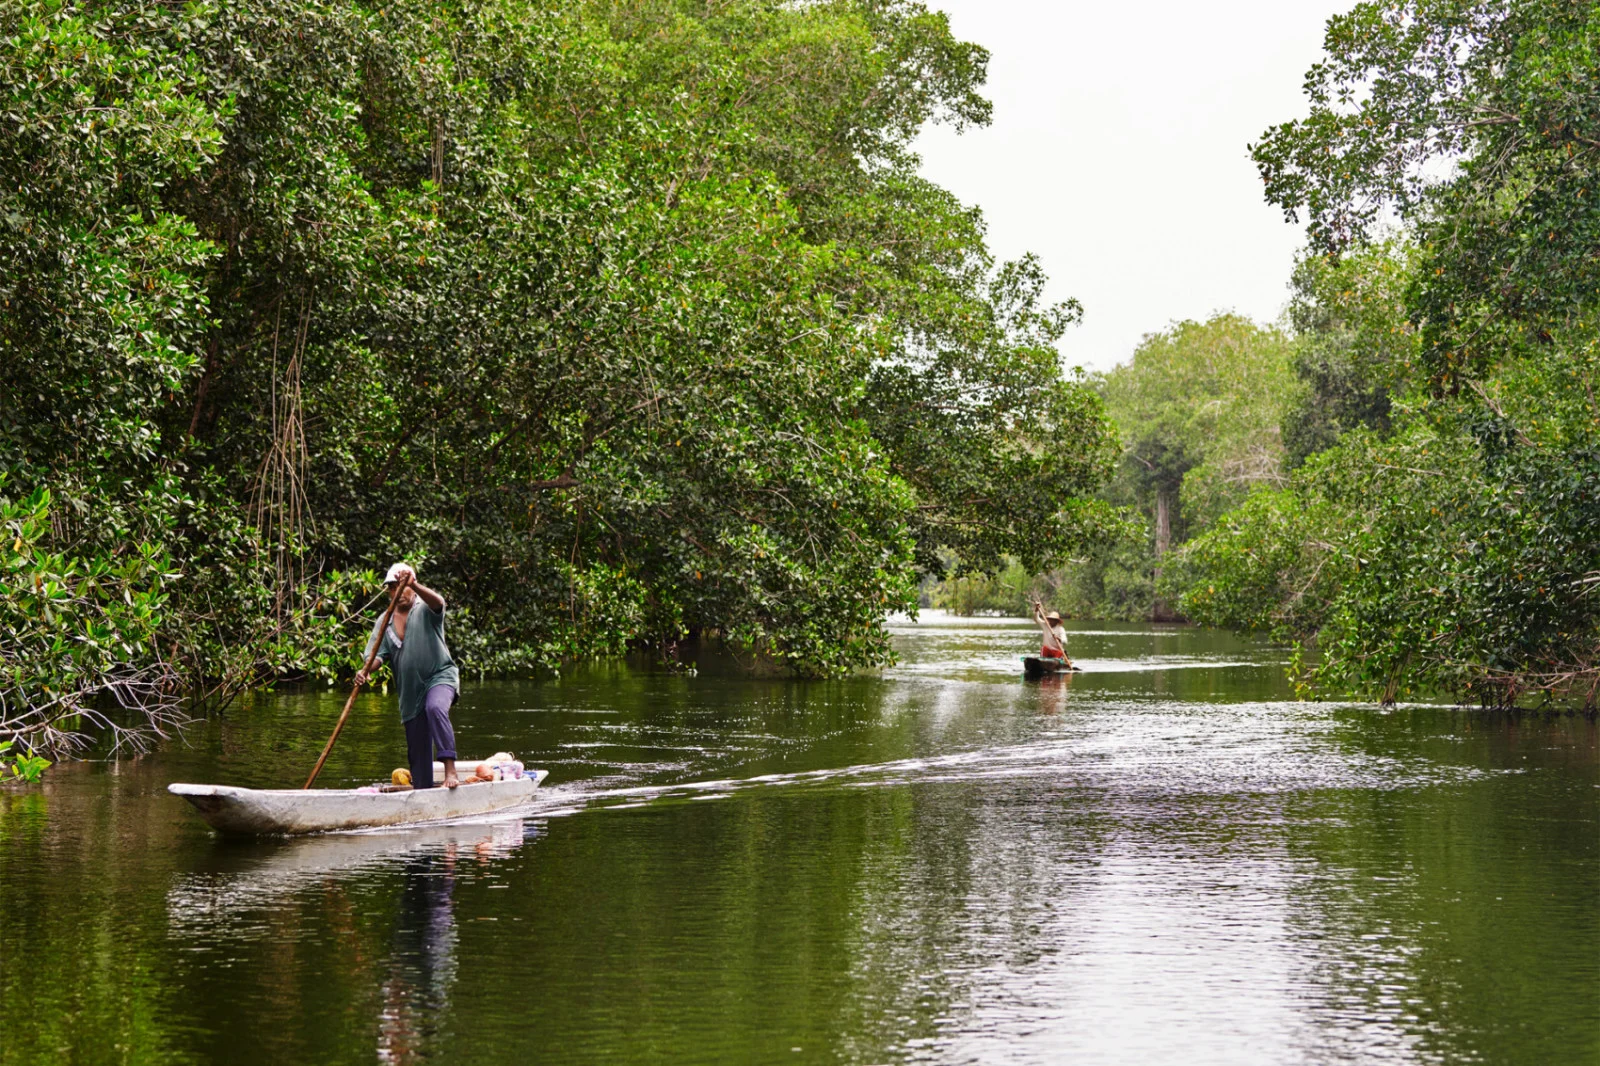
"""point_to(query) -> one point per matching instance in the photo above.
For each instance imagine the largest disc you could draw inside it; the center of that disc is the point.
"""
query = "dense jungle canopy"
(623, 320)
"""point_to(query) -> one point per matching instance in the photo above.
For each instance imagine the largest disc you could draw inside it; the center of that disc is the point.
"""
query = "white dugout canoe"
(289, 811)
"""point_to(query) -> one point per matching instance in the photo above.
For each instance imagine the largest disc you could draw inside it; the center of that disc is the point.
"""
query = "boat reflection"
(1052, 690)
(384, 901)
(247, 878)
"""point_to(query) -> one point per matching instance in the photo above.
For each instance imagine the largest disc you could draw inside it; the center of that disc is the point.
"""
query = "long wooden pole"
(372, 657)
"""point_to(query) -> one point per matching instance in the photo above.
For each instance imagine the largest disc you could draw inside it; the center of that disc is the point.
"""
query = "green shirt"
(421, 661)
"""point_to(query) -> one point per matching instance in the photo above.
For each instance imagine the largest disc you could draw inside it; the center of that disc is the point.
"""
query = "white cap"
(394, 573)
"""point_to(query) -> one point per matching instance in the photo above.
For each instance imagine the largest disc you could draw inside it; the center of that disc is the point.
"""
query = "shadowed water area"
(1161, 859)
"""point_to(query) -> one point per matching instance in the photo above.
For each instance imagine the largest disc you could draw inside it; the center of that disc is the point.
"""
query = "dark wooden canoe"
(1035, 667)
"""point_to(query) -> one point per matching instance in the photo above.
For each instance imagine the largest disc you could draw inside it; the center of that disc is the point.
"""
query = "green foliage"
(1198, 410)
(74, 634)
(1425, 562)
(1476, 121)
(1199, 406)
(1353, 342)
(1118, 581)
(24, 766)
(628, 321)
(1458, 554)
(999, 449)
(1010, 591)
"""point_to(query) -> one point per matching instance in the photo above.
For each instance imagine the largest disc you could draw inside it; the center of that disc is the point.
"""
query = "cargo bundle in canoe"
(289, 811)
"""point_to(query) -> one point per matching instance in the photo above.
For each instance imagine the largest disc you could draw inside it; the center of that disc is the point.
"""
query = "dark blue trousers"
(429, 735)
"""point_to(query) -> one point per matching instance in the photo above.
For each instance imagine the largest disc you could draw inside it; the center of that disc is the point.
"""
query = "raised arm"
(434, 601)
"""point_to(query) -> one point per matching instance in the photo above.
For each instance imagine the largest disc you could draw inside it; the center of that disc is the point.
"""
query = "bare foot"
(452, 781)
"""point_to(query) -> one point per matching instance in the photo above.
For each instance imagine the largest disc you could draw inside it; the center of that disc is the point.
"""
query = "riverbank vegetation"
(623, 321)
(1417, 498)
(1449, 542)
(1199, 409)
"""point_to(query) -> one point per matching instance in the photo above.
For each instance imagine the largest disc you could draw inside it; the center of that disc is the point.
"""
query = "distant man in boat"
(1055, 634)
(425, 674)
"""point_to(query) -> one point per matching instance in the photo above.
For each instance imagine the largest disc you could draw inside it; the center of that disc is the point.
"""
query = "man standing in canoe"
(1055, 634)
(425, 674)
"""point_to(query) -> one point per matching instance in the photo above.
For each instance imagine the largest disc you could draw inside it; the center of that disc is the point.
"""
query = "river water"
(1163, 859)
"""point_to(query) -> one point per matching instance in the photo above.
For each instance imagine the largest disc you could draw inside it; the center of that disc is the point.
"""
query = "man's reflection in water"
(1053, 693)
(422, 966)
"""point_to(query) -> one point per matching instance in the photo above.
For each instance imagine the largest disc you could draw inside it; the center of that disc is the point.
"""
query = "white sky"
(1119, 153)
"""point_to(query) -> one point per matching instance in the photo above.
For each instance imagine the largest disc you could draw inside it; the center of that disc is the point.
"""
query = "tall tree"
(1199, 406)
(1198, 409)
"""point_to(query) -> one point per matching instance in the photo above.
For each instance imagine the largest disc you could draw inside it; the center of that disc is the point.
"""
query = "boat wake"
(1179, 756)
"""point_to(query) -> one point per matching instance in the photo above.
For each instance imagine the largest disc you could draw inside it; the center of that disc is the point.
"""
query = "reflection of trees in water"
(1233, 889)
(422, 966)
(1446, 917)
(958, 912)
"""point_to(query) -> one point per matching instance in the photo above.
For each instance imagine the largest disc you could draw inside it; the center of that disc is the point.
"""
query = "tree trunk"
(206, 374)
(1159, 611)
(1163, 525)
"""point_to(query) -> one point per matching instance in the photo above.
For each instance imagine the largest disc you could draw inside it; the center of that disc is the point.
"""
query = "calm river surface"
(1164, 859)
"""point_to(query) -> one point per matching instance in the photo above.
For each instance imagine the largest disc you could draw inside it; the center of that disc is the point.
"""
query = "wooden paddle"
(372, 657)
